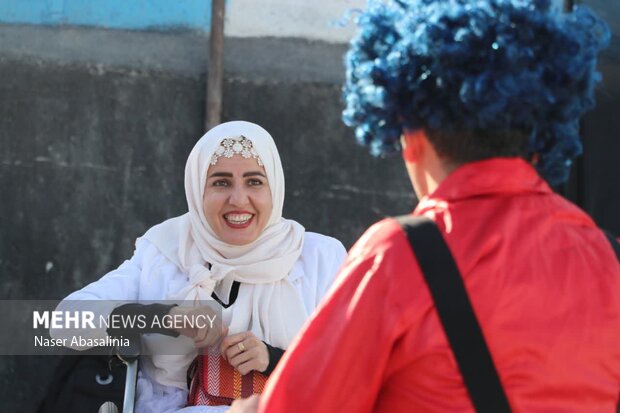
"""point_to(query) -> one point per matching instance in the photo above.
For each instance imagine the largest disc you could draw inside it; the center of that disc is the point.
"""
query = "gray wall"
(96, 127)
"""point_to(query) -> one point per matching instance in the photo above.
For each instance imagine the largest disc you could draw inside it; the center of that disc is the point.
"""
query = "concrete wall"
(119, 14)
(327, 20)
(97, 124)
(96, 127)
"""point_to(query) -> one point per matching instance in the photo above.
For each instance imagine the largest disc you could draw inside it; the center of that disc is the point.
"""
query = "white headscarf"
(268, 304)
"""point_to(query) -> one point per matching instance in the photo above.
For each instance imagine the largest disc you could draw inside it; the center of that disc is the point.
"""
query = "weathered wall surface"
(316, 20)
(96, 127)
(97, 124)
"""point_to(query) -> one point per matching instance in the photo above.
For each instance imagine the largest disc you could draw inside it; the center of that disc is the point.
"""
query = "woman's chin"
(238, 235)
(239, 239)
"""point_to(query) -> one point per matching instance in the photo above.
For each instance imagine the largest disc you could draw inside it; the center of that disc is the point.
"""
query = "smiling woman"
(234, 246)
(237, 199)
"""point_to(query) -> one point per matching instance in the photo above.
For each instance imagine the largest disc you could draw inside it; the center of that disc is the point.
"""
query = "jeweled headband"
(235, 145)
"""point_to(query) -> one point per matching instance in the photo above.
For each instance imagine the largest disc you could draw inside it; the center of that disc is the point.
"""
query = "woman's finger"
(242, 358)
(212, 337)
(233, 339)
(237, 349)
(201, 333)
(249, 405)
(247, 367)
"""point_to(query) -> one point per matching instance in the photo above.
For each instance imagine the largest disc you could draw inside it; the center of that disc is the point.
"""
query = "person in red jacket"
(483, 98)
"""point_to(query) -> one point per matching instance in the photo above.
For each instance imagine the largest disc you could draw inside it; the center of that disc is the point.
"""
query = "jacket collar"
(493, 176)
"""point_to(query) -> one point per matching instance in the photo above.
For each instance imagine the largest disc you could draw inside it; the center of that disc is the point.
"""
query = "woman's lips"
(238, 220)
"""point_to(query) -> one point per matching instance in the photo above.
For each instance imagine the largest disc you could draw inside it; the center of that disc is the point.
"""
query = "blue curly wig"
(470, 65)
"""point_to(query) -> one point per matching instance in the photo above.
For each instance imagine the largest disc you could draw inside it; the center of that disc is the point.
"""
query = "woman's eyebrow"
(220, 174)
(230, 175)
(253, 173)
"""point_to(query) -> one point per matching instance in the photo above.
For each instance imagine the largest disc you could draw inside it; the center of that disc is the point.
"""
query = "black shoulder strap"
(614, 243)
(456, 314)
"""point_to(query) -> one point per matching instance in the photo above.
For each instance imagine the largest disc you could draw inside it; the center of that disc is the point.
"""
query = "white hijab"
(268, 304)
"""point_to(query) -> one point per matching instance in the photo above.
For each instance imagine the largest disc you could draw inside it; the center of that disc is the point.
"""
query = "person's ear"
(412, 143)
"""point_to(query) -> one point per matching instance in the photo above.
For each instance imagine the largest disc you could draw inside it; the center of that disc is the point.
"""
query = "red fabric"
(216, 383)
(543, 281)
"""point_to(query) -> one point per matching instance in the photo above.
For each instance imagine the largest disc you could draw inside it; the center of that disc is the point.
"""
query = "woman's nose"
(239, 197)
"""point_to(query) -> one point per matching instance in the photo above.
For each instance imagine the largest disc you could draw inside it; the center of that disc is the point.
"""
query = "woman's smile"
(238, 219)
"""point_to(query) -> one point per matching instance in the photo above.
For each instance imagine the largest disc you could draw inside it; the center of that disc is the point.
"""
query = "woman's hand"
(245, 352)
(205, 326)
(249, 405)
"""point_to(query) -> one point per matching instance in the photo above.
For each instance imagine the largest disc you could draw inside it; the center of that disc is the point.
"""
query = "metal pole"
(215, 71)
(130, 386)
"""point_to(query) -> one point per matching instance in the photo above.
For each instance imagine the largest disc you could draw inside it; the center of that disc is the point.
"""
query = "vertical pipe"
(215, 71)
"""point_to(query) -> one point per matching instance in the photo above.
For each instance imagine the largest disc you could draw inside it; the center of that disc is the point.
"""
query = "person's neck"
(426, 169)
(433, 172)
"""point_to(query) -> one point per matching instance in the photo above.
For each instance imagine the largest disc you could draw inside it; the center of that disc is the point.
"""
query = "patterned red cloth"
(216, 383)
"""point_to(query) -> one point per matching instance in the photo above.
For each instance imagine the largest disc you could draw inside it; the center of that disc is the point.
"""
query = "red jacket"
(543, 280)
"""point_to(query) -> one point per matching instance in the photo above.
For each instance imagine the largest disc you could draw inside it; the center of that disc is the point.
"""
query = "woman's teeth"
(238, 218)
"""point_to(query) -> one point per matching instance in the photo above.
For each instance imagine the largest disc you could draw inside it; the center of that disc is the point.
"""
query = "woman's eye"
(221, 182)
(255, 182)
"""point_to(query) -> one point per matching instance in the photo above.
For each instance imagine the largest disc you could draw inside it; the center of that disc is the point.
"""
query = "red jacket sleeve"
(338, 360)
